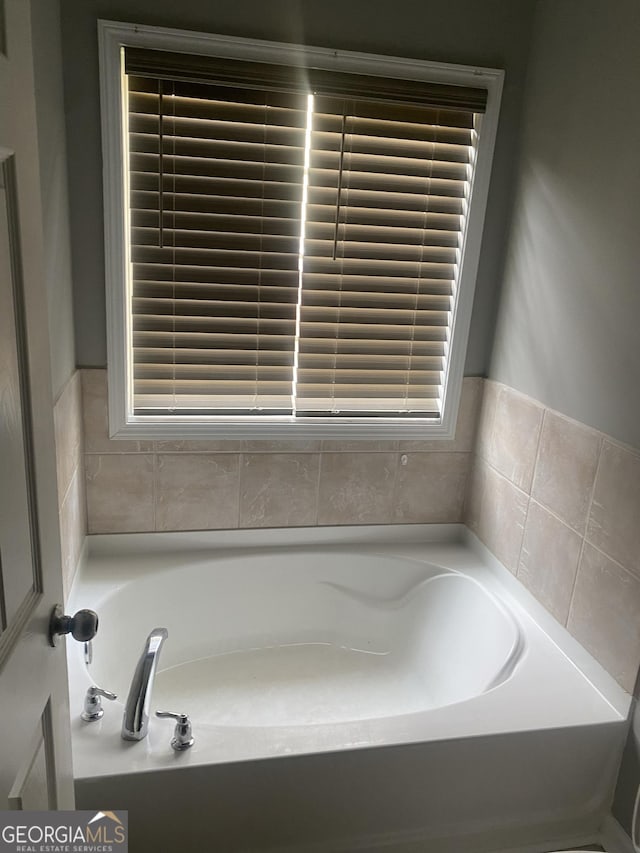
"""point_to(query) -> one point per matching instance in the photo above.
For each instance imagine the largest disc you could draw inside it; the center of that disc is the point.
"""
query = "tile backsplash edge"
(69, 445)
(185, 485)
(556, 502)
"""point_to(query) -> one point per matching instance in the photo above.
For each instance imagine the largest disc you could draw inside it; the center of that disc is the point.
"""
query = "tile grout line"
(615, 562)
(240, 468)
(584, 536)
(74, 471)
(524, 530)
(473, 460)
(154, 457)
(396, 474)
(82, 461)
(504, 477)
(467, 478)
(317, 512)
(536, 460)
(86, 492)
(557, 517)
(79, 456)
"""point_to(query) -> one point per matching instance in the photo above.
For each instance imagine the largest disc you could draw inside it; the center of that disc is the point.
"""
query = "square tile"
(566, 468)
(196, 491)
(357, 488)
(73, 527)
(353, 446)
(513, 442)
(119, 493)
(281, 445)
(67, 418)
(197, 445)
(430, 487)
(604, 615)
(496, 512)
(278, 489)
(614, 520)
(549, 560)
(486, 418)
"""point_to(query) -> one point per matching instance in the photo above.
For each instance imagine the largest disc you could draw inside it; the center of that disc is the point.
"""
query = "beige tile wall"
(559, 504)
(194, 485)
(67, 414)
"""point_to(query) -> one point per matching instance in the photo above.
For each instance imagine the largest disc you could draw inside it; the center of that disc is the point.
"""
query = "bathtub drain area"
(294, 685)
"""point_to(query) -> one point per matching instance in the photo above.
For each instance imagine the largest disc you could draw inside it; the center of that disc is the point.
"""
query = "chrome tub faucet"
(135, 722)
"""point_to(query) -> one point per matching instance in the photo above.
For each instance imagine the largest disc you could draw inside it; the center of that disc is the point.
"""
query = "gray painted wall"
(493, 33)
(568, 327)
(45, 23)
(567, 332)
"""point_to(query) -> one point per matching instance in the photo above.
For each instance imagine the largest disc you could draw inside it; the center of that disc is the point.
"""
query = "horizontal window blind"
(388, 189)
(294, 245)
(216, 191)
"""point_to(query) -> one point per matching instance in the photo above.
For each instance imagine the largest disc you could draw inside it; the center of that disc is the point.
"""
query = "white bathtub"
(399, 687)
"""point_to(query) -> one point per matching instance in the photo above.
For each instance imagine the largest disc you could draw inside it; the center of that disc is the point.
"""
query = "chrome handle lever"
(93, 709)
(182, 735)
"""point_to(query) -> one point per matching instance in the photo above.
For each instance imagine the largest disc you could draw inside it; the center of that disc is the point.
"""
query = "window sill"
(274, 429)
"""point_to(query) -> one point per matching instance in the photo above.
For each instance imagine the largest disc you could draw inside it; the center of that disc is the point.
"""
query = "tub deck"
(494, 723)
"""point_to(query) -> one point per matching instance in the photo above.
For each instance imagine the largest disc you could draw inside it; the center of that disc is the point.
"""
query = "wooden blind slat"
(230, 311)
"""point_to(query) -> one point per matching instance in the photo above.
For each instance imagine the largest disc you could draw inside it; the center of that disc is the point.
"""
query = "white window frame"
(113, 37)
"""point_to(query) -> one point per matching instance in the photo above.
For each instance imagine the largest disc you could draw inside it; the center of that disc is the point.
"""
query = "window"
(295, 248)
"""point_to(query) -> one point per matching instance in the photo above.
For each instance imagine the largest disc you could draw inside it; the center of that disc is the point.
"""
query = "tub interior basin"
(316, 639)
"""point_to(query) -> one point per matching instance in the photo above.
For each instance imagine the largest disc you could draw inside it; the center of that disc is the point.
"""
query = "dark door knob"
(83, 626)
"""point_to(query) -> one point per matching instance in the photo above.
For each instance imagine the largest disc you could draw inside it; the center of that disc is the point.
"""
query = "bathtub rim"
(490, 573)
(108, 545)
(511, 654)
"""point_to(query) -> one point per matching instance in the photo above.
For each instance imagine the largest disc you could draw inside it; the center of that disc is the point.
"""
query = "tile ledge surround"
(74, 377)
(199, 484)
(97, 440)
(69, 451)
(518, 474)
(573, 538)
(629, 448)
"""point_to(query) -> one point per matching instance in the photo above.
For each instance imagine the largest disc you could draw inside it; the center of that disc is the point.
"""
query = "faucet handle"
(93, 709)
(182, 735)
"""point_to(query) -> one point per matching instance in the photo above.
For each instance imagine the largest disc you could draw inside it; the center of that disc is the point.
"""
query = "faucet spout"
(135, 722)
